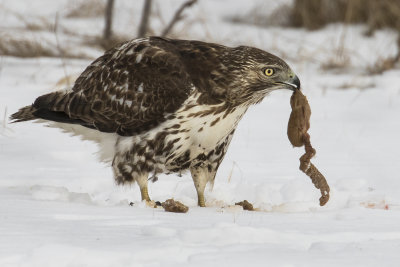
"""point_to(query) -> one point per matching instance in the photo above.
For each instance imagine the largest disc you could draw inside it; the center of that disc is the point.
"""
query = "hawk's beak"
(294, 83)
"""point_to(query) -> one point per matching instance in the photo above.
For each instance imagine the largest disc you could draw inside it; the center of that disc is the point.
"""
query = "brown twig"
(60, 50)
(145, 18)
(177, 17)
(108, 20)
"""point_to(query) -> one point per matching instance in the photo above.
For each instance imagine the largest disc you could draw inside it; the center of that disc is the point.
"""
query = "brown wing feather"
(130, 89)
(133, 87)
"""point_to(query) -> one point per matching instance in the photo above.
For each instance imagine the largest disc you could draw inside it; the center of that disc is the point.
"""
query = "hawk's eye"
(268, 71)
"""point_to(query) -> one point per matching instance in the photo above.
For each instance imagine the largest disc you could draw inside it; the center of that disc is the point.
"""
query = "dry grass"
(358, 85)
(336, 63)
(384, 64)
(86, 9)
(314, 14)
(32, 24)
(4, 129)
(10, 46)
(101, 43)
(257, 16)
(42, 24)
(27, 48)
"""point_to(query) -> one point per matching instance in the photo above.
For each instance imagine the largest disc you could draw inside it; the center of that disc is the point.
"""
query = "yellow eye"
(268, 71)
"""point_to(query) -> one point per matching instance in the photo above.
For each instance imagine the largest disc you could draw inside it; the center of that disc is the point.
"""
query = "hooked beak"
(294, 83)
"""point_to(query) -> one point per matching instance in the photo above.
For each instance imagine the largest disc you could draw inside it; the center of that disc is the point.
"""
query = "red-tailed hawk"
(158, 105)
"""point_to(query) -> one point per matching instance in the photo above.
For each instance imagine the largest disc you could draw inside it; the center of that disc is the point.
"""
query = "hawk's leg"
(141, 180)
(201, 176)
(204, 172)
(125, 173)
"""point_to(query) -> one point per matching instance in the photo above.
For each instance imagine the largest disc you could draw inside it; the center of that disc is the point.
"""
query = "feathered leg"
(201, 176)
(205, 172)
(124, 172)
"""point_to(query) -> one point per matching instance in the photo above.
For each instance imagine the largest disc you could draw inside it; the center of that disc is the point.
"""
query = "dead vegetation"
(260, 15)
(11, 46)
(315, 14)
(86, 9)
(101, 43)
(4, 129)
(34, 47)
(384, 64)
(32, 24)
(41, 24)
(27, 44)
(336, 62)
(356, 84)
(177, 16)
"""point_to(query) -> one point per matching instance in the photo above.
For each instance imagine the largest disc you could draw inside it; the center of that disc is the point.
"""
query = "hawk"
(158, 105)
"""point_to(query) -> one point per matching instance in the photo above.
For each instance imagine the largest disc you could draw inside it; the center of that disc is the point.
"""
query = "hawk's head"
(235, 75)
(258, 73)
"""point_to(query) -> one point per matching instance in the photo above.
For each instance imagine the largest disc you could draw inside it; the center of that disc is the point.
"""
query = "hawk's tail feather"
(49, 102)
(24, 114)
(53, 107)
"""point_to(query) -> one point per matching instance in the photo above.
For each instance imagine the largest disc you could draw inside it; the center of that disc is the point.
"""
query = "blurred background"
(60, 206)
(85, 28)
(346, 53)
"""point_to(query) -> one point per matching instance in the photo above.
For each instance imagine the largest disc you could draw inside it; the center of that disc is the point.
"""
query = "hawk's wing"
(130, 89)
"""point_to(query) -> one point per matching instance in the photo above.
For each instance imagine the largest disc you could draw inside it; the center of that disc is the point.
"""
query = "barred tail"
(24, 114)
(45, 103)
(53, 107)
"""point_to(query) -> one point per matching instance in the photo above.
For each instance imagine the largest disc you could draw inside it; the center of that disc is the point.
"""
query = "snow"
(59, 206)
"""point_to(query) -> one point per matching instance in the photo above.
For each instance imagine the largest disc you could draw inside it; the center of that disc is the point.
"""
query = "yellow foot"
(201, 201)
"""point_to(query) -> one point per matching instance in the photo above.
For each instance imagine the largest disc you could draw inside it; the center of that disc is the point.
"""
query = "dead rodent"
(299, 120)
(245, 205)
(174, 206)
(298, 125)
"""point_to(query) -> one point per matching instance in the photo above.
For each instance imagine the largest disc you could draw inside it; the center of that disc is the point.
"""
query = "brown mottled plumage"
(158, 105)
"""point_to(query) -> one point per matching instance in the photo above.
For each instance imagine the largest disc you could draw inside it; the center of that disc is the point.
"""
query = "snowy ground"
(60, 207)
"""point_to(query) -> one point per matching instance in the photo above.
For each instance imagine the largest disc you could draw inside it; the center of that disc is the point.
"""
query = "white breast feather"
(196, 141)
